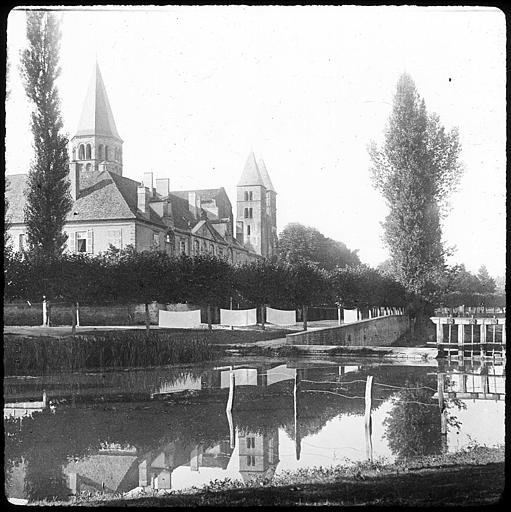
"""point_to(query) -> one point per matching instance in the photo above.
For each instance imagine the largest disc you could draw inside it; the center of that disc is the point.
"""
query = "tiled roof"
(205, 194)
(97, 117)
(109, 196)
(183, 218)
(251, 174)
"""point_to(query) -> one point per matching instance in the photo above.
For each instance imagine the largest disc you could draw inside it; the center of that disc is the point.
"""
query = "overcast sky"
(194, 89)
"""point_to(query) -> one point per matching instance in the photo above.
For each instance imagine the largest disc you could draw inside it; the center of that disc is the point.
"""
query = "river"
(175, 428)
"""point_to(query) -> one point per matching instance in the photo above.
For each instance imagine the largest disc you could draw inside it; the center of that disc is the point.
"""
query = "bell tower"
(256, 208)
(96, 140)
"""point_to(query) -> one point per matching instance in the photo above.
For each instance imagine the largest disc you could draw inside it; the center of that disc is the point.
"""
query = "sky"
(194, 89)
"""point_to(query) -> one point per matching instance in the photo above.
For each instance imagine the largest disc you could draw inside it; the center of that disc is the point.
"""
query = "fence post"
(367, 418)
(298, 444)
(338, 315)
(77, 314)
(228, 407)
(45, 312)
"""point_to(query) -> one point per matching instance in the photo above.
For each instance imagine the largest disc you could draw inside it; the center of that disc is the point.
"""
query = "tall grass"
(44, 354)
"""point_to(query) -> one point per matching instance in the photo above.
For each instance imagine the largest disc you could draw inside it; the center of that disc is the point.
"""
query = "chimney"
(143, 196)
(74, 178)
(148, 182)
(163, 187)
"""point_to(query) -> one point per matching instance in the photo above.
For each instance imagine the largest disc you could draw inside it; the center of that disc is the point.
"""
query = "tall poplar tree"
(48, 191)
(415, 170)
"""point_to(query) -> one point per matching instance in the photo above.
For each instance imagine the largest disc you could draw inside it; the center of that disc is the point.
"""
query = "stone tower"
(96, 140)
(256, 208)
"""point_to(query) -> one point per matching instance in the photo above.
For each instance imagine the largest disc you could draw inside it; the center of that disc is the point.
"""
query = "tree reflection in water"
(413, 425)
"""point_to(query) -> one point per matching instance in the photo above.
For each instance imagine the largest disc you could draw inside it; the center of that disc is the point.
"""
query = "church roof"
(107, 196)
(97, 117)
(264, 174)
(251, 174)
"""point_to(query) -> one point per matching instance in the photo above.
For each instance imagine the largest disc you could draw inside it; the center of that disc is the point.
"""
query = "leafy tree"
(306, 286)
(486, 282)
(48, 197)
(299, 243)
(205, 280)
(261, 282)
(415, 170)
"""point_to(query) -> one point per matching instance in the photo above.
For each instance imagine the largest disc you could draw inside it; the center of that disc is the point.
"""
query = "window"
(74, 153)
(81, 152)
(250, 213)
(87, 152)
(212, 249)
(248, 230)
(246, 213)
(81, 241)
(246, 196)
(250, 460)
(220, 252)
(88, 167)
(107, 153)
(156, 239)
(22, 241)
(100, 152)
(250, 197)
(196, 247)
(251, 442)
(182, 246)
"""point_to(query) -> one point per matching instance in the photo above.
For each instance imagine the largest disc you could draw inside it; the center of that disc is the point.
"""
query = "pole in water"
(228, 407)
(367, 418)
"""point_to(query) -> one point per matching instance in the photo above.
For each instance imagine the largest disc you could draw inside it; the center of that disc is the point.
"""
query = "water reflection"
(176, 428)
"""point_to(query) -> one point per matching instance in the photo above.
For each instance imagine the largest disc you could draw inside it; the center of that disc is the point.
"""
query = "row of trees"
(125, 276)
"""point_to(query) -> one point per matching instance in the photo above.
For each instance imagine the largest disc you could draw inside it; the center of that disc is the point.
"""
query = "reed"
(44, 354)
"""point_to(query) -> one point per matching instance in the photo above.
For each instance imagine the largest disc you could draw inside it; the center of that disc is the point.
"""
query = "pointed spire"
(97, 117)
(251, 174)
(264, 174)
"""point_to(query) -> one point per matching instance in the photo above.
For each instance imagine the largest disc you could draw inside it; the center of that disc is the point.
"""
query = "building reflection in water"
(248, 449)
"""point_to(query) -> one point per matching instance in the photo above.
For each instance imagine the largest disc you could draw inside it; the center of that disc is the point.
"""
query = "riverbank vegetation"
(471, 477)
(42, 354)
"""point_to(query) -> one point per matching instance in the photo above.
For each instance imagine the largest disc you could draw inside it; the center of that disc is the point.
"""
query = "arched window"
(246, 196)
(250, 197)
(87, 152)
(100, 152)
(81, 152)
(107, 151)
(212, 249)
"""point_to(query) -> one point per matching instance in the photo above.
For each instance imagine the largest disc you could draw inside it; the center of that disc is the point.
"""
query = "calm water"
(168, 428)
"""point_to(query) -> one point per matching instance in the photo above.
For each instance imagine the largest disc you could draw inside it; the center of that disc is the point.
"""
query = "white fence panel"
(238, 317)
(280, 316)
(179, 319)
(350, 316)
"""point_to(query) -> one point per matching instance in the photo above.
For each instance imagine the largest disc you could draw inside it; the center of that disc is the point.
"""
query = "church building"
(112, 210)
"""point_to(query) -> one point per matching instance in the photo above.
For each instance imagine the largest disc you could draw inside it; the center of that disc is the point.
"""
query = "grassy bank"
(44, 354)
(473, 477)
(127, 348)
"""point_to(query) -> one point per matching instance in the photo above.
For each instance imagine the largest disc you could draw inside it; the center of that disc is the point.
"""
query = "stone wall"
(377, 332)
